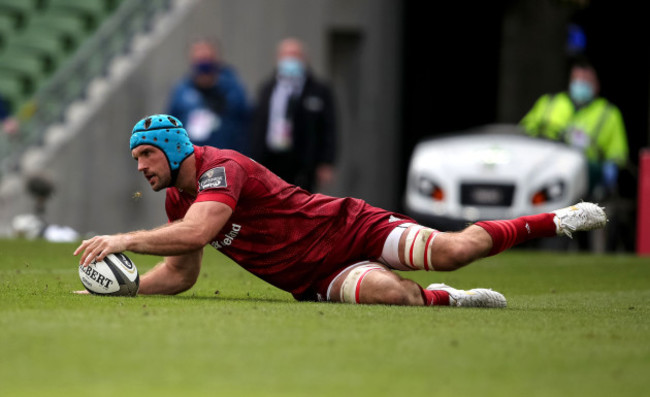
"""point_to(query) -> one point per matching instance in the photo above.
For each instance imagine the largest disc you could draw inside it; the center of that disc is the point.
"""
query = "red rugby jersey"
(279, 232)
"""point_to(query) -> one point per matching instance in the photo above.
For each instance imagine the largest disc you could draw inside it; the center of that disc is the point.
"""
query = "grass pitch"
(576, 325)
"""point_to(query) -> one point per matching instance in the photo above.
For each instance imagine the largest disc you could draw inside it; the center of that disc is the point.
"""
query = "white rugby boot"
(478, 297)
(579, 217)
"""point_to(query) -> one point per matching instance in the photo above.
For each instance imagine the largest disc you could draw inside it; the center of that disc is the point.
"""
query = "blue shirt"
(218, 116)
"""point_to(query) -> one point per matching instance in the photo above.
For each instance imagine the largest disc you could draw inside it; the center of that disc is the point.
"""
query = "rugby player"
(316, 247)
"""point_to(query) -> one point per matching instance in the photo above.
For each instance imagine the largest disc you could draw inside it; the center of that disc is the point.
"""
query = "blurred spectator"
(584, 120)
(594, 125)
(4, 109)
(294, 127)
(211, 102)
(8, 122)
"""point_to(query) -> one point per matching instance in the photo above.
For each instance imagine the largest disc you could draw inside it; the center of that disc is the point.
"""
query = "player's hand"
(81, 292)
(96, 248)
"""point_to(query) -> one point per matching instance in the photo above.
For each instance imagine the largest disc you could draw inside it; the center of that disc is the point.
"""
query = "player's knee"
(373, 284)
(356, 280)
(396, 292)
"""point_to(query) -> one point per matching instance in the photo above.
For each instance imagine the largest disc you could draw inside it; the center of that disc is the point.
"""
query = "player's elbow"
(184, 280)
(197, 238)
(184, 284)
(184, 271)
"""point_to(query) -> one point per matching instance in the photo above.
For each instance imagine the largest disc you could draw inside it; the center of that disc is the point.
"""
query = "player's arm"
(173, 276)
(201, 223)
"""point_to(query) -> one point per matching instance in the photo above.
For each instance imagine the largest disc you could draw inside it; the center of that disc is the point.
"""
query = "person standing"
(294, 124)
(584, 120)
(211, 101)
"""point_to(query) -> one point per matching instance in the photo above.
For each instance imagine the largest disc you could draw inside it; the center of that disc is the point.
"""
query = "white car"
(491, 172)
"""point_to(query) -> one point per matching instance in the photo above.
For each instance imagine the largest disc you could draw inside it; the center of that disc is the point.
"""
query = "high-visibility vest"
(597, 128)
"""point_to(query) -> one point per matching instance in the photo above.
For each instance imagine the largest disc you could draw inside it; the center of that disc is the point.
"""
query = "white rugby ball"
(116, 275)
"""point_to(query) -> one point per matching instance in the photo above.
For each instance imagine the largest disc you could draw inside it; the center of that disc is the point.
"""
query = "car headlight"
(430, 189)
(549, 193)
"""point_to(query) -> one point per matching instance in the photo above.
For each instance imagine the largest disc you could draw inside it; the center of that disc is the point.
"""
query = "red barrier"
(643, 205)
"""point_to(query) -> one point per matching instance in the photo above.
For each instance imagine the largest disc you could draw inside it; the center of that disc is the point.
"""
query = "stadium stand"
(50, 50)
(38, 35)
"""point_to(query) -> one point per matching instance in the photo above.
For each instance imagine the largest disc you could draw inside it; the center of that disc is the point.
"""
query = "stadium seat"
(26, 5)
(92, 11)
(7, 28)
(7, 24)
(28, 68)
(111, 5)
(19, 10)
(49, 48)
(11, 90)
(37, 36)
(68, 28)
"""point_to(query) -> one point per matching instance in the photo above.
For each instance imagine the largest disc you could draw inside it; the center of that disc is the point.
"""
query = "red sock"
(435, 298)
(506, 234)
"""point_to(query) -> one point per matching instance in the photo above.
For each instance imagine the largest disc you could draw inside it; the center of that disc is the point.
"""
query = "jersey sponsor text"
(230, 237)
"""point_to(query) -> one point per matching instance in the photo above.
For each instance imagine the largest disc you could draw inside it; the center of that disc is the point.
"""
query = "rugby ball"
(116, 275)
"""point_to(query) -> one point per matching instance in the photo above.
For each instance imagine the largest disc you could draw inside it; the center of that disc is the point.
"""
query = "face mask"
(291, 67)
(581, 91)
(205, 67)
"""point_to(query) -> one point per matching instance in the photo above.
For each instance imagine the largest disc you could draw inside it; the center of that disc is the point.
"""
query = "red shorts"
(363, 242)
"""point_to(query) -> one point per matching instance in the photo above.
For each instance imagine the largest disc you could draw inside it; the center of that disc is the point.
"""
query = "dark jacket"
(313, 116)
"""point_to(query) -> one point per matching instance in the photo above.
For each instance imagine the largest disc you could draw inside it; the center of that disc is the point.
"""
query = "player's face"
(152, 162)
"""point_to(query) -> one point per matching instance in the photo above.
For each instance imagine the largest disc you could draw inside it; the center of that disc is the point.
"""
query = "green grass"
(576, 325)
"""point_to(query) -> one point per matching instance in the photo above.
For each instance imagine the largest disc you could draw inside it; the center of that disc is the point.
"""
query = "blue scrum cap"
(167, 134)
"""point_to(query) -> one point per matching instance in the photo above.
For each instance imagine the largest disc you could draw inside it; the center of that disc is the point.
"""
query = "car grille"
(483, 194)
